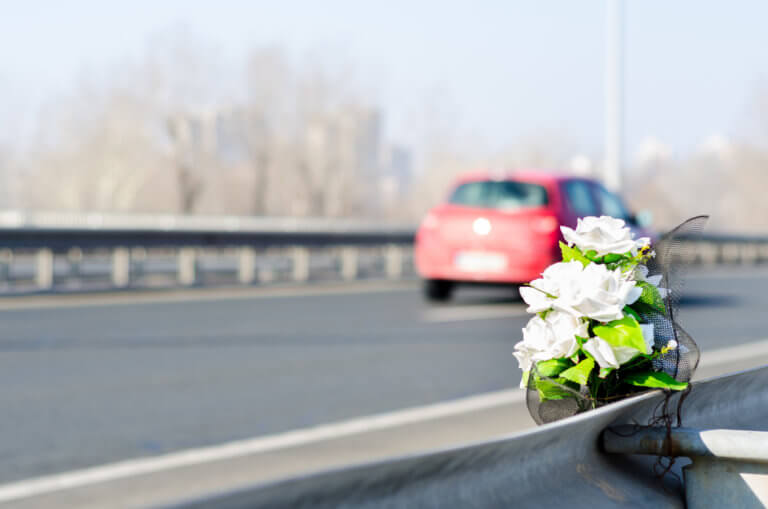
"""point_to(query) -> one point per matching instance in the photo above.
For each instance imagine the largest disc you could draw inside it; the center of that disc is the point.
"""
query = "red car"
(505, 228)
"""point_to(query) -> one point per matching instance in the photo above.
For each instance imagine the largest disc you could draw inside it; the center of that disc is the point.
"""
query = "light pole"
(614, 93)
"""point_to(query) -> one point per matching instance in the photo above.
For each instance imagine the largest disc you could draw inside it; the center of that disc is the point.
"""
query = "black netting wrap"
(564, 399)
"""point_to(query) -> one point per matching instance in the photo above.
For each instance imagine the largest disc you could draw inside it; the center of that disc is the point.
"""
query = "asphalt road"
(97, 379)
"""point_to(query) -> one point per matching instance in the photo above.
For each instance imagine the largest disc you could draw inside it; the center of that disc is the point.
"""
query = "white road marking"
(194, 295)
(123, 469)
(129, 468)
(721, 356)
(461, 313)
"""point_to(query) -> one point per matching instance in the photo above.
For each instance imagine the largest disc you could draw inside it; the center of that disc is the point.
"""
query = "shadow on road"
(478, 297)
(709, 301)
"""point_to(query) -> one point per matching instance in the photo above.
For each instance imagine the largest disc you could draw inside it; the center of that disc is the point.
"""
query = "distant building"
(396, 170)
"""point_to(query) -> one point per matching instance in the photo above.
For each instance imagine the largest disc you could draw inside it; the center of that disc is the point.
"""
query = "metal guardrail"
(43, 251)
(729, 469)
(717, 248)
(559, 464)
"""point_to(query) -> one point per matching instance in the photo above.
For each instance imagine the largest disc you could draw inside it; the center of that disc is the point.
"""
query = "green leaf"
(573, 253)
(553, 389)
(552, 367)
(580, 372)
(604, 372)
(613, 257)
(631, 312)
(624, 332)
(655, 379)
(651, 297)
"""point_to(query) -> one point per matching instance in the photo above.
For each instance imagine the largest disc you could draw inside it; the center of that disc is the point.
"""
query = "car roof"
(528, 175)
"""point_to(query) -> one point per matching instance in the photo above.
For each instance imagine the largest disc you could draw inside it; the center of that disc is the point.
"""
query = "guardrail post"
(708, 253)
(749, 253)
(187, 266)
(300, 257)
(729, 467)
(394, 261)
(246, 267)
(44, 269)
(264, 270)
(121, 267)
(348, 263)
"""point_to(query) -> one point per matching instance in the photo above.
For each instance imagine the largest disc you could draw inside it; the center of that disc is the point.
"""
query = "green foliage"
(552, 367)
(547, 381)
(651, 297)
(604, 372)
(580, 372)
(656, 380)
(613, 257)
(631, 312)
(573, 253)
(624, 332)
(553, 389)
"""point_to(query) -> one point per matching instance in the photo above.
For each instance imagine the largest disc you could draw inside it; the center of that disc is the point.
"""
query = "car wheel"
(438, 290)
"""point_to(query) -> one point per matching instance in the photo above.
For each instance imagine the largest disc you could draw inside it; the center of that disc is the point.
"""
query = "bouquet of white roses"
(603, 325)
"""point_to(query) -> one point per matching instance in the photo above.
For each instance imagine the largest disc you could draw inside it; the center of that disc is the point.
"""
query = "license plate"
(480, 261)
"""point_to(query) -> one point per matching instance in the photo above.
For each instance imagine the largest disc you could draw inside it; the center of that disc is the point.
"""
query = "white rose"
(608, 356)
(597, 293)
(550, 338)
(542, 292)
(604, 235)
(602, 352)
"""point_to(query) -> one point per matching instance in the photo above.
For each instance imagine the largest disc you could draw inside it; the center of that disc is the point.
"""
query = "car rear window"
(499, 194)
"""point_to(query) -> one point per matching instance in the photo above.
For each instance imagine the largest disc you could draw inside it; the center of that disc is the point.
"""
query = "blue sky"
(508, 69)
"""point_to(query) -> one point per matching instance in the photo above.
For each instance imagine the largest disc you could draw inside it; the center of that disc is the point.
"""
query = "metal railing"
(49, 251)
(44, 252)
(559, 464)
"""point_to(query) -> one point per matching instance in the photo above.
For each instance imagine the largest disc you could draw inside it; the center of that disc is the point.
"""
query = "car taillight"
(547, 224)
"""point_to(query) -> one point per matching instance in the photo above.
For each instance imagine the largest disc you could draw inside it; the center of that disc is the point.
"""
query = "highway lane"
(107, 378)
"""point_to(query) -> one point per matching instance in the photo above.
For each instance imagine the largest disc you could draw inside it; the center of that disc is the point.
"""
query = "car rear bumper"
(436, 262)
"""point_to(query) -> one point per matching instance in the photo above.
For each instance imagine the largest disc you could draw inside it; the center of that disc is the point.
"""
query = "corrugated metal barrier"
(556, 465)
